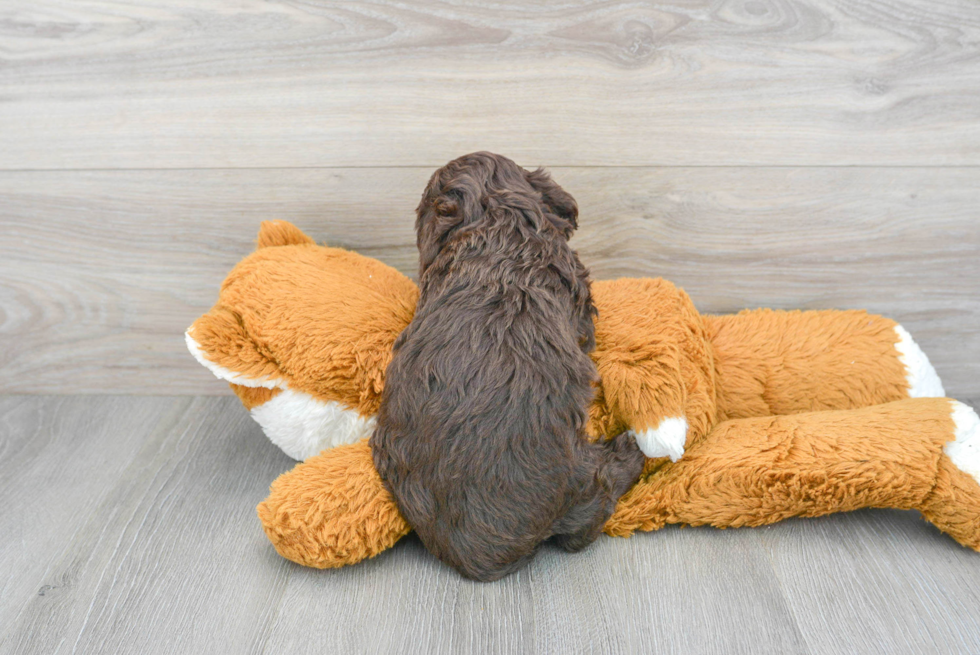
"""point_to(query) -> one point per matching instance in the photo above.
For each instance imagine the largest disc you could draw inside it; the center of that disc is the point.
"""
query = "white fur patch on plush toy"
(964, 451)
(666, 440)
(303, 426)
(922, 377)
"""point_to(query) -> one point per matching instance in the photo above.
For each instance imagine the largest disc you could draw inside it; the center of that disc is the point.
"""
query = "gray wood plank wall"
(694, 82)
(103, 270)
(786, 154)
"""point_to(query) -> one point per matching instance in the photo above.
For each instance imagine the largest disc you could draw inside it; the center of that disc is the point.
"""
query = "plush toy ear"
(281, 233)
(219, 341)
(332, 510)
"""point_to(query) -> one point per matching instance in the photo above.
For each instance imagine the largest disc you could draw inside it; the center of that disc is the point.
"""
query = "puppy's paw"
(624, 461)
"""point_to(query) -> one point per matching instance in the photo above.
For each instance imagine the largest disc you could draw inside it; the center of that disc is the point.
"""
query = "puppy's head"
(483, 189)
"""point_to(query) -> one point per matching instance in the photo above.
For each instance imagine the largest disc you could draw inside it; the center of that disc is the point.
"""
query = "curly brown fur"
(480, 432)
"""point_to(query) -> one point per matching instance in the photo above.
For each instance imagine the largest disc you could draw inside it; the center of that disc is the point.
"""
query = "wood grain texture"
(101, 271)
(130, 527)
(103, 84)
(158, 527)
(842, 578)
(50, 448)
(690, 591)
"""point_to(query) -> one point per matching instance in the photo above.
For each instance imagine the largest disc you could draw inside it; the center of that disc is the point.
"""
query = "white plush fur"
(922, 377)
(964, 450)
(666, 440)
(223, 373)
(302, 426)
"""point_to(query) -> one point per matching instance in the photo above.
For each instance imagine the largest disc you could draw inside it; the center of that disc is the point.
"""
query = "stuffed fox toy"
(745, 419)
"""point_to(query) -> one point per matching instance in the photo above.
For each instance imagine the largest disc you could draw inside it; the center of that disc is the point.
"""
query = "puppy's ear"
(562, 208)
(446, 205)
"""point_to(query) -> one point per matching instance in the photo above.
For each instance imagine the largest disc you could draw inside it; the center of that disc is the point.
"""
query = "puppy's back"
(480, 430)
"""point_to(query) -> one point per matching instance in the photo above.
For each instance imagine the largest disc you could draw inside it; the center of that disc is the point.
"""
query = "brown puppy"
(480, 433)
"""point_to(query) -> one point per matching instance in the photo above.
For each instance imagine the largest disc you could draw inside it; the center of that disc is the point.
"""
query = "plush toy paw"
(954, 503)
(665, 440)
(332, 510)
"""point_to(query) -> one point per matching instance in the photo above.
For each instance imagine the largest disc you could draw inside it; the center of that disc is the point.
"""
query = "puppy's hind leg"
(621, 462)
(616, 467)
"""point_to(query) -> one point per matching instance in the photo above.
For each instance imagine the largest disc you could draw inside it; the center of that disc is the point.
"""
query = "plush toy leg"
(774, 363)
(656, 366)
(911, 454)
(332, 510)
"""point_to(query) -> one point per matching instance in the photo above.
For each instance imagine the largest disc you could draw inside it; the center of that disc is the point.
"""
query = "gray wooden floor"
(784, 153)
(133, 531)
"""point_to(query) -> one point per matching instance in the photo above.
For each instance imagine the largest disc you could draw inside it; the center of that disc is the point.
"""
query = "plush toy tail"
(332, 510)
(921, 453)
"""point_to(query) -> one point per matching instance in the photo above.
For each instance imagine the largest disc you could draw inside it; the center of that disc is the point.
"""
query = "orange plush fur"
(747, 419)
